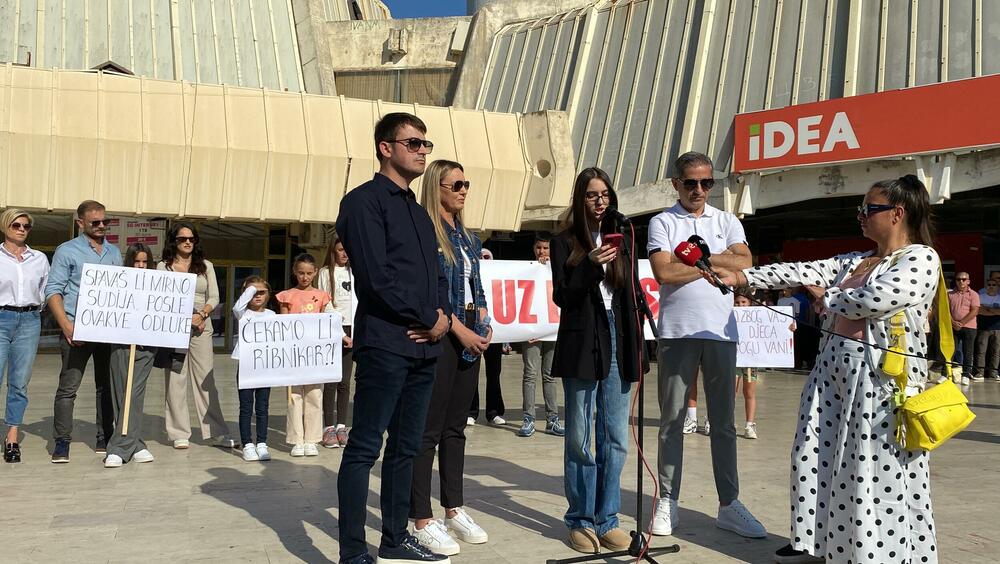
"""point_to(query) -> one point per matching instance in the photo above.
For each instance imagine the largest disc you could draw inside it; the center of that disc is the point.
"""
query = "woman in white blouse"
(856, 495)
(23, 273)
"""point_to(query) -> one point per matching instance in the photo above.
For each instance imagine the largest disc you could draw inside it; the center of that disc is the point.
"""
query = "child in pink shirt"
(305, 405)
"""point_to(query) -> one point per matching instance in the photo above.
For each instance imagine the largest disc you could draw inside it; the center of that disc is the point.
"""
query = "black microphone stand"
(638, 546)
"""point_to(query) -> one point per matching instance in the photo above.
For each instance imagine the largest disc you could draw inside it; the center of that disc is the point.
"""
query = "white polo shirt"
(697, 309)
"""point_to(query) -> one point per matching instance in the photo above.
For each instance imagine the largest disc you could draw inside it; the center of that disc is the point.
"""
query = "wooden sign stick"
(128, 390)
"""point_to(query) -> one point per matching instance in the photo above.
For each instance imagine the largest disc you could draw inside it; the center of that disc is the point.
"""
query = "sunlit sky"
(426, 8)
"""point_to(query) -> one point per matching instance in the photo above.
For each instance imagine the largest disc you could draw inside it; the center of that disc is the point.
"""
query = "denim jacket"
(453, 272)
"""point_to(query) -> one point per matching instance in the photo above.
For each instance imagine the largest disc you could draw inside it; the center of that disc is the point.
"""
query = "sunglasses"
(100, 223)
(17, 226)
(413, 144)
(868, 210)
(692, 183)
(458, 185)
(186, 239)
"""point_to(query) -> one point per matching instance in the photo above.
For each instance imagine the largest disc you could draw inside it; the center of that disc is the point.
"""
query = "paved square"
(206, 504)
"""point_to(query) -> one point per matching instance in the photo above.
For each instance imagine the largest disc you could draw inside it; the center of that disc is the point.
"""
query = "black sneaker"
(359, 559)
(410, 551)
(101, 447)
(60, 453)
(11, 452)
(788, 555)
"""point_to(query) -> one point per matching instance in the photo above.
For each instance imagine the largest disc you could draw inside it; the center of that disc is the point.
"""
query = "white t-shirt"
(606, 292)
(697, 309)
(342, 290)
(470, 298)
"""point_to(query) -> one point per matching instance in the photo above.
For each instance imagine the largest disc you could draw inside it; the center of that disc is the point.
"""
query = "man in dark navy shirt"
(403, 311)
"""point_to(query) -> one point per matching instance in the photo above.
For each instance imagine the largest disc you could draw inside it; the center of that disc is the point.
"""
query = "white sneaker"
(181, 444)
(113, 461)
(465, 528)
(470, 422)
(263, 453)
(311, 450)
(737, 518)
(750, 431)
(299, 450)
(665, 518)
(435, 538)
(497, 420)
(143, 456)
(708, 428)
(690, 425)
(250, 453)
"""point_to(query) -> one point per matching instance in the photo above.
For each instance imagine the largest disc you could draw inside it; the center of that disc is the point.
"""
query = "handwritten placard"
(134, 306)
(290, 350)
(765, 337)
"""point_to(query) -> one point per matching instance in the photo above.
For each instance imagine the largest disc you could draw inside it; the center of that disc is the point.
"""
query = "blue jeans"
(18, 344)
(593, 487)
(392, 393)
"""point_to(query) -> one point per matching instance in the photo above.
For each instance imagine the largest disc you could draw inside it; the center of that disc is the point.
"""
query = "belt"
(20, 309)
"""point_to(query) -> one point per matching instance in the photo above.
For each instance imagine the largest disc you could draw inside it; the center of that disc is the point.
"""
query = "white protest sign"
(290, 350)
(134, 306)
(519, 299)
(766, 339)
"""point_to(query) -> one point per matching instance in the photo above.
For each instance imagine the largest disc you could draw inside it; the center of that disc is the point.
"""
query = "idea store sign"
(927, 119)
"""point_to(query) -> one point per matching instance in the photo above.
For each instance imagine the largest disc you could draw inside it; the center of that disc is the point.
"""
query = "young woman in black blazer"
(599, 354)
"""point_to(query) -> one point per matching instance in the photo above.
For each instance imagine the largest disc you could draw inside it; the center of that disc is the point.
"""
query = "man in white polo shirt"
(697, 329)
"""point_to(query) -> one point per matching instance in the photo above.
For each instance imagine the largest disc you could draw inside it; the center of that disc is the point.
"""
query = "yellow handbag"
(930, 418)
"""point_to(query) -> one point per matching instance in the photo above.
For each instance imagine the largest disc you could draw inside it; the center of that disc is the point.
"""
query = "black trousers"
(494, 395)
(74, 363)
(337, 395)
(444, 431)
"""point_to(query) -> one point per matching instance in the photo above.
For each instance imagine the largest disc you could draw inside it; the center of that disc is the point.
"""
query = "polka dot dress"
(856, 496)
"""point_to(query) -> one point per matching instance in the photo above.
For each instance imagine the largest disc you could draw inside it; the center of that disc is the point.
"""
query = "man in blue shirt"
(61, 293)
(403, 311)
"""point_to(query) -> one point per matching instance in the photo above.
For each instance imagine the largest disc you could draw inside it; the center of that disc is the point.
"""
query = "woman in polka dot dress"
(856, 496)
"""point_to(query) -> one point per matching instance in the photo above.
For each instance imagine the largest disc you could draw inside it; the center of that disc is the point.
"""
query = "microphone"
(691, 255)
(703, 247)
(613, 212)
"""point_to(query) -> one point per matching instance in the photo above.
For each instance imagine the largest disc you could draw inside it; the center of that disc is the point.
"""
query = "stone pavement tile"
(206, 504)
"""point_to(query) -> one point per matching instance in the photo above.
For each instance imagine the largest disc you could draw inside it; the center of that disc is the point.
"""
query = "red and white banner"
(936, 118)
(519, 298)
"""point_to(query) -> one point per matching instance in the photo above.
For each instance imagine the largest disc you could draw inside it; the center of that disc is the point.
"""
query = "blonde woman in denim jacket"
(445, 189)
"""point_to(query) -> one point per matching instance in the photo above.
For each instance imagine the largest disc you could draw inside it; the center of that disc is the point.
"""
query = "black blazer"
(583, 344)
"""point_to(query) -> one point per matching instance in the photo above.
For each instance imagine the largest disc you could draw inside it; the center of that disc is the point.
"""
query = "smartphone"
(612, 239)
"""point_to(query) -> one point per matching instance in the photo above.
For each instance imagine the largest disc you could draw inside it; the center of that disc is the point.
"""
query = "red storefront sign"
(926, 119)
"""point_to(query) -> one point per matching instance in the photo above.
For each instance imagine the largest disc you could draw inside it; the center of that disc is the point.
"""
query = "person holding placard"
(182, 252)
(857, 495)
(305, 402)
(61, 293)
(126, 443)
(23, 274)
(445, 189)
(747, 378)
(337, 279)
(253, 401)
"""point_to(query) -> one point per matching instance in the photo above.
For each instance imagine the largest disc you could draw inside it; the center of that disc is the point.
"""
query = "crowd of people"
(405, 277)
